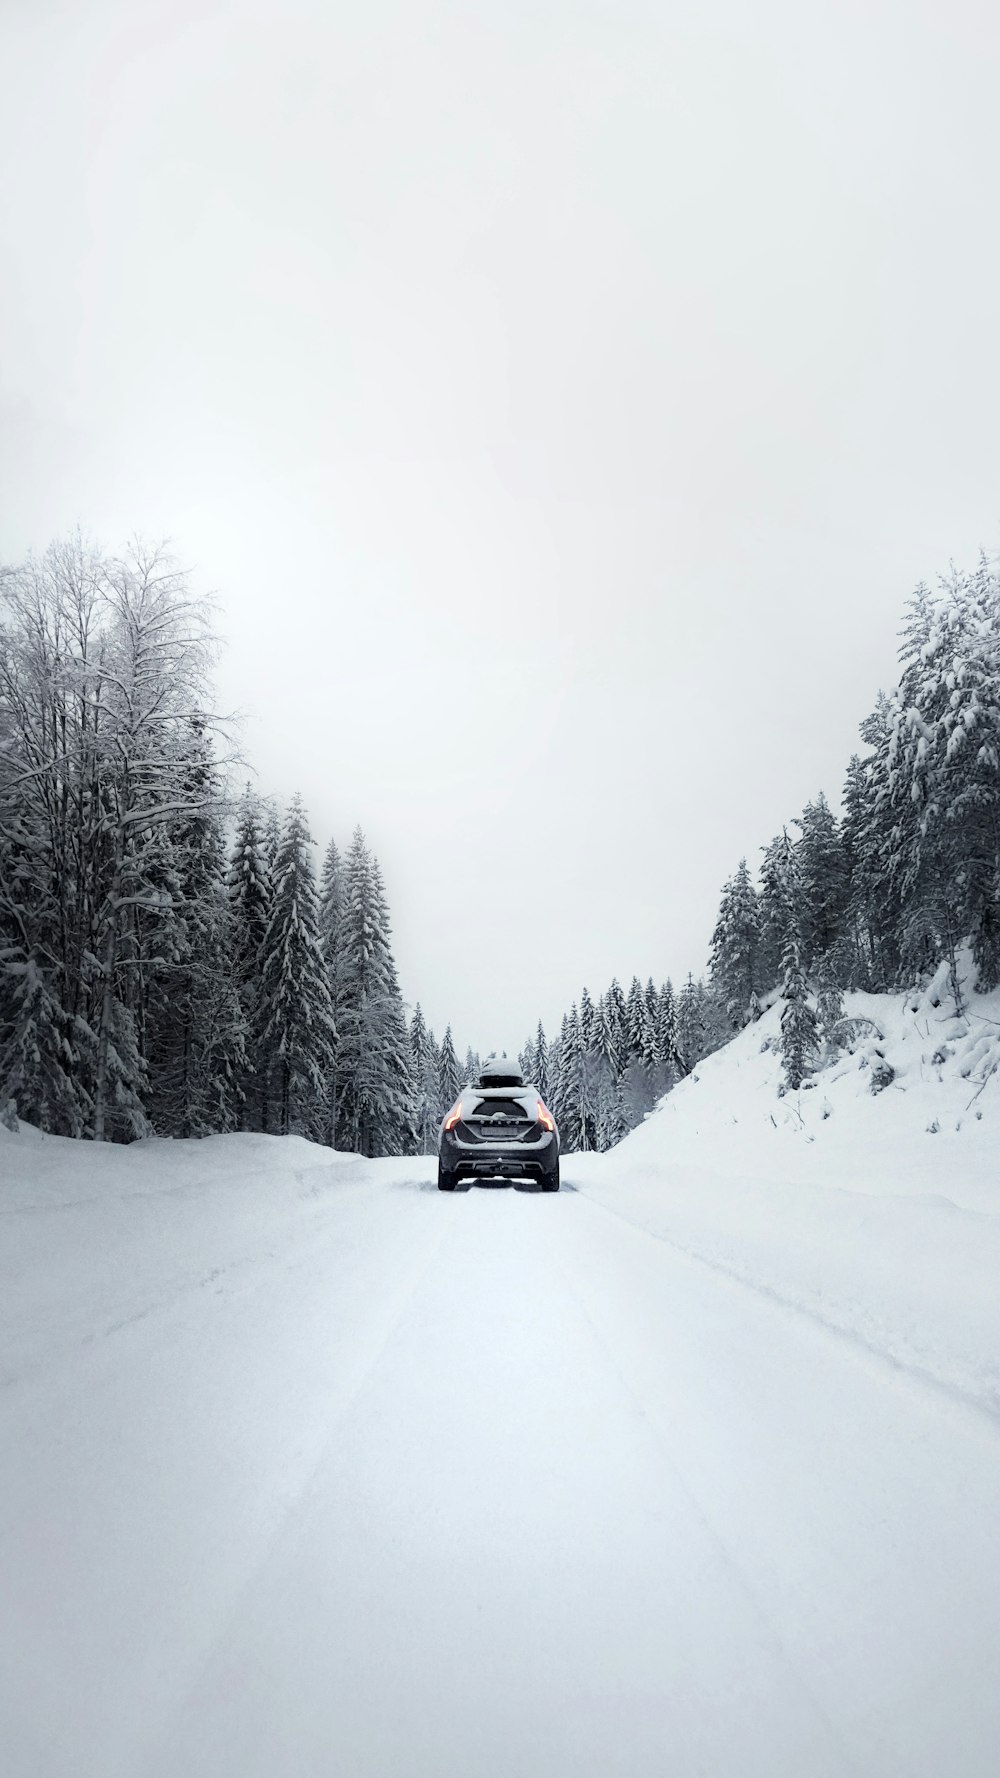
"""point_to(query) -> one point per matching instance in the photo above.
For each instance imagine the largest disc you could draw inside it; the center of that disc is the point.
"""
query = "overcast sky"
(562, 398)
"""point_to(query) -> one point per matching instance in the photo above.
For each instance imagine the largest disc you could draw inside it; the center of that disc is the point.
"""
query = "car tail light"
(453, 1116)
(545, 1117)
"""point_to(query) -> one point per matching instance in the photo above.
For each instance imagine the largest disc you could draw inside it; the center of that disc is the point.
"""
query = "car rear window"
(499, 1108)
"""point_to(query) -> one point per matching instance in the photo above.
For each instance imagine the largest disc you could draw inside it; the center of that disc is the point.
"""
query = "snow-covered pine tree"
(635, 1022)
(772, 910)
(638, 1084)
(863, 966)
(691, 1023)
(617, 1020)
(272, 833)
(608, 1036)
(825, 877)
(666, 1031)
(434, 1070)
(553, 1063)
(331, 888)
(944, 770)
(376, 1093)
(40, 1070)
(471, 1071)
(610, 1123)
(395, 1131)
(541, 1075)
(871, 842)
(249, 885)
(799, 1037)
(298, 1035)
(734, 949)
(651, 1054)
(566, 1087)
(424, 1067)
(194, 1027)
(250, 900)
(586, 1021)
(449, 1082)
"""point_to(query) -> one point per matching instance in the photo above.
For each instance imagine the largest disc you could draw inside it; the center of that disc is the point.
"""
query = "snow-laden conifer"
(425, 1068)
(607, 1037)
(733, 964)
(449, 1080)
(691, 1023)
(799, 1037)
(666, 1030)
(540, 1078)
(616, 1018)
(798, 1021)
(41, 1056)
(772, 907)
(651, 1054)
(944, 772)
(195, 1025)
(825, 879)
(636, 1044)
(586, 1020)
(376, 1093)
(566, 1088)
(250, 901)
(298, 1033)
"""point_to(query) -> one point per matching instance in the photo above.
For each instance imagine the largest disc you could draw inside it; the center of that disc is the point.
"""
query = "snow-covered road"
(319, 1472)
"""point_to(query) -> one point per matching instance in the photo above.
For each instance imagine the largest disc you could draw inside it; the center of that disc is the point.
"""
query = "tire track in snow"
(659, 1434)
(985, 1404)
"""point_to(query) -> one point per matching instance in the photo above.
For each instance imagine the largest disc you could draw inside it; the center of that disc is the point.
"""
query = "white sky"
(562, 398)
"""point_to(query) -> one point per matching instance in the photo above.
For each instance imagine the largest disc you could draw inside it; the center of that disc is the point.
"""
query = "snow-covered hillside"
(910, 1067)
(870, 1199)
(692, 1468)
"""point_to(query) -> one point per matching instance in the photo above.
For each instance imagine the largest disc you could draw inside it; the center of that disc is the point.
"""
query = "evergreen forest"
(172, 962)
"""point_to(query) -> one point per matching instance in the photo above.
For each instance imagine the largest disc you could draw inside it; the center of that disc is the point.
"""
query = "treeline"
(875, 900)
(614, 1057)
(158, 975)
(153, 977)
(880, 899)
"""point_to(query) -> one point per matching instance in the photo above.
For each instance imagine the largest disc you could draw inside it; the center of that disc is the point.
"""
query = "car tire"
(446, 1181)
(550, 1181)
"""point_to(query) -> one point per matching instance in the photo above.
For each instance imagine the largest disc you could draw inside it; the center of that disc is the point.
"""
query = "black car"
(499, 1129)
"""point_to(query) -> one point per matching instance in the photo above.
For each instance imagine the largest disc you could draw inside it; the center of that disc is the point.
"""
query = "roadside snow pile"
(869, 1200)
(38, 1171)
(96, 1235)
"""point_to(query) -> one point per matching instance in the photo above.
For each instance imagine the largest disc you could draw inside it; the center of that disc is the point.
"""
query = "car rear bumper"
(513, 1160)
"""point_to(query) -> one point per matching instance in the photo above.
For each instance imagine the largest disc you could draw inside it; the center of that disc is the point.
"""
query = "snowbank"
(876, 1213)
(95, 1232)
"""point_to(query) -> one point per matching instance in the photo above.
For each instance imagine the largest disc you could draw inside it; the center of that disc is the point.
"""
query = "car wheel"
(446, 1181)
(550, 1181)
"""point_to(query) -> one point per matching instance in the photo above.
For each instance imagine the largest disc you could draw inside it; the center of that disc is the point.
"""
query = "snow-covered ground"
(878, 1214)
(692, 1469)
